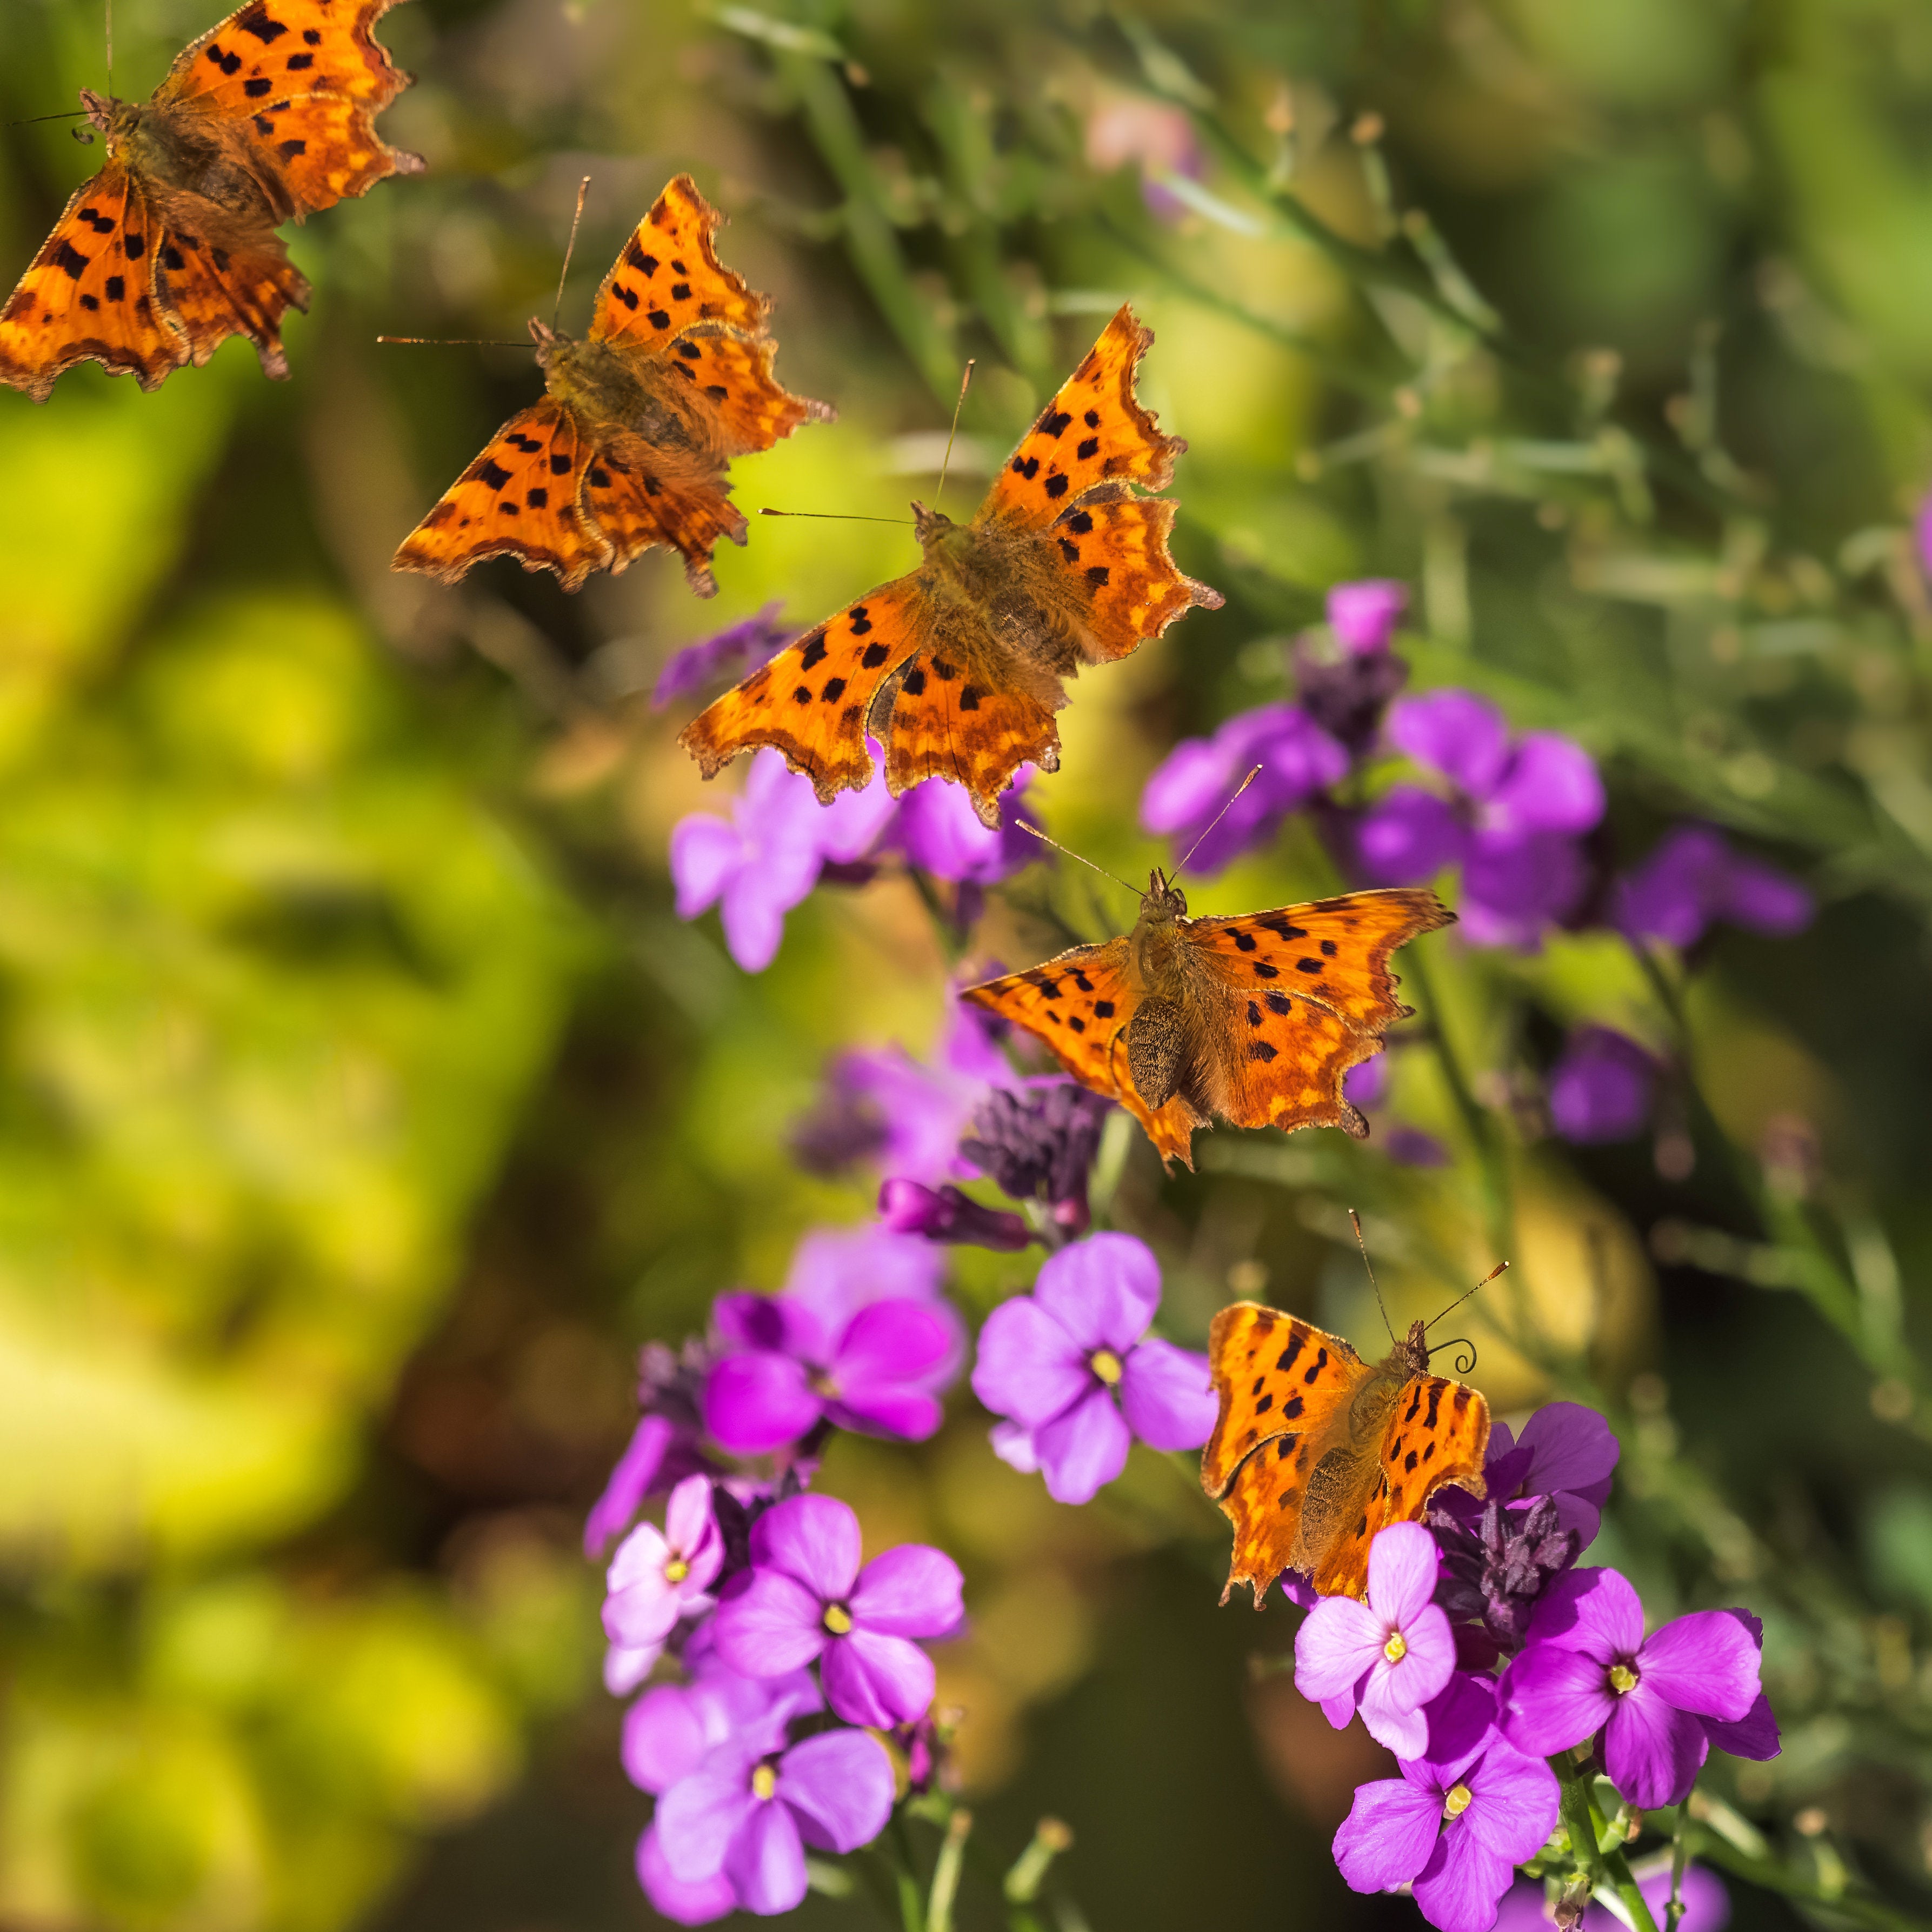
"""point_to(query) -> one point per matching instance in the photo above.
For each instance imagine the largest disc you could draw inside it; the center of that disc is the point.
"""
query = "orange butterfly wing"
(1315, 1450)
(88, 295)
(667, 279)
(1094, 431)
(301, 82)
(810, 700)
(1309, 995)
(523, 497)
(953, 716)
(242, 288)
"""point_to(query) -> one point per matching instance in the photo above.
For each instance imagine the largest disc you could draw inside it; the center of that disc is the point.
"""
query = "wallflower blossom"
(1603, 1087)
(1464, 1813)
(766, 858)
(1511, 821)
(1386, 1657)
(1567, 1452)
(749, 1816)
(782, 1370)
(670, 1731)
(1588, 1667)
(940, 832)
(1070, 1367)
(658, 1575)
(1297, 758)
(806, 1599)
(1694, 879)
(733, 652)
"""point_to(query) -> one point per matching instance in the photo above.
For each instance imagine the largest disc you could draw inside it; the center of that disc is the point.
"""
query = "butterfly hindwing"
(952, 717)
(637, 499)
(810, 701)
(88, 295)
(1094, 431)
(221, 279)
(301, 82)
(521, 498)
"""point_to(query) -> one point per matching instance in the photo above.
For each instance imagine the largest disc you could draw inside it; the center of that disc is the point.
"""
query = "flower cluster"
(1480, 1651)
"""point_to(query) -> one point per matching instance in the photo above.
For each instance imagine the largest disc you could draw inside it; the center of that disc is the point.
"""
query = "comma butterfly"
(629, 447)
(1315, 1450)
(958, 668)
(1252, 1020)
(171, 248)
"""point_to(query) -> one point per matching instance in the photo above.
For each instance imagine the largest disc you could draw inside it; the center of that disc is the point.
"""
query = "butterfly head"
(115, 119)
(1413, 1349)
(1163, 902)
(939, 535)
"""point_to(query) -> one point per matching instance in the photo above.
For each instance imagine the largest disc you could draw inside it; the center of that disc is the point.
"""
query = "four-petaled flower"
(658, 1575)
(1070, 1367)
(1465, 1813)
(1693, 879)
(747, 1815)
(1588, 1667)
(1388, 1657)
(806, 1599)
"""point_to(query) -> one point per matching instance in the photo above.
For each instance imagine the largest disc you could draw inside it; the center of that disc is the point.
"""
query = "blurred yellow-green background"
(364, 1105)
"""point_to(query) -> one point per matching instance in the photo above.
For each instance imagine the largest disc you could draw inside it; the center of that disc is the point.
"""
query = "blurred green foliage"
(362, 1104)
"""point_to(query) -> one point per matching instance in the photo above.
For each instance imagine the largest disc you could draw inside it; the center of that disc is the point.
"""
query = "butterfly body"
(1316, 1450)
(1252, 1020)
(171, 248)
(958, 668)
(630, 446)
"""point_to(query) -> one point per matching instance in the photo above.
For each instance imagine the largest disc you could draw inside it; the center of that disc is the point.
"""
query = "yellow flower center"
(677, 1570)
(1623, 1679)
(1106, 1365)
(764, 1781)
(1395, 1649)
(822, 1386)
(1456, 1801)
(838, 1619)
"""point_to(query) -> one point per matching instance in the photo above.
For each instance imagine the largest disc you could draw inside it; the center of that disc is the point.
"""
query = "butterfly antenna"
(569, 248)
(109, 6)
(452, 341)
(1218, 816)
(72, 114)
(1071, 854)
(945, 462)
(1461, 1298)
(840, 517)
(1355, 1221)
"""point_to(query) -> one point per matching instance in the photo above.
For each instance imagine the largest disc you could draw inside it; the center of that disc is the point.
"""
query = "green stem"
(1585, 1824)
(912, 1904)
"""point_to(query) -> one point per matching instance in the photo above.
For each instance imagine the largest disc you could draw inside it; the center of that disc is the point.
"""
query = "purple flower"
(1519, 807)
(1707, 1905)
(1694, 879)
(1069, 1366)
(1039, 1142)
(1386, 1657)
(748, 1817)
(787, 1369)
(735, 652)
(1602, 1088)
(683, 1904)
(1366, 1084)
(947, 1214)
(670, 1731)
(1364, 615)
(766, 858)
(1459, 1819)
(1298, 759)
(1755, 1734)
(1566, 1452)
(939, 831)
(806, 1599)
(664, 1448)
(1588, 1666)
(658, 1575)
(1494, 1572)
(835, 1272)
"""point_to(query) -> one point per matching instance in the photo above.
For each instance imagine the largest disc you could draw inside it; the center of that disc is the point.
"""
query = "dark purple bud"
(1347, 699)
(1493, 1573)
(845, 1126)
(947, 1214)
(1039, 1143)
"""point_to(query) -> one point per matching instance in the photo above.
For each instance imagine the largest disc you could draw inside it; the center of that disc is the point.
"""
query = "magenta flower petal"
(1705, 1663)
(1570, 1448)
(1403, 1563)
(876, 1680)
(1462, 735)
(1387, 1837)
(1083, 1448)
(1515, 1805)
(758, 1402)
(910, 1415)
(1459, 1889)
(912, 1590)
(1428, 1663)
(766, 1862)
(671, 1897)
(814, 1539)
(1013, 1444)
(1553, 1698)
(1364, 614)
(1592, 1610)
(1754, 1735)
(1408, 836)
(840, 1783)
(1550, 785)
(835, 1272)
(698, 1817)
(664, 1739)
(889, 1344)
(706, 852)
(690, 1529)
(776, 1322)
(1029, 1367)
(628, 1483)
(1653, 1753)
(769, 1623)
(1335, 1647)
(1167, 1395)
(642, 1607)
(1102, 1290)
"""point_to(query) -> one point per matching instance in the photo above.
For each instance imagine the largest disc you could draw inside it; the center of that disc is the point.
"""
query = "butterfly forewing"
(667, 278)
